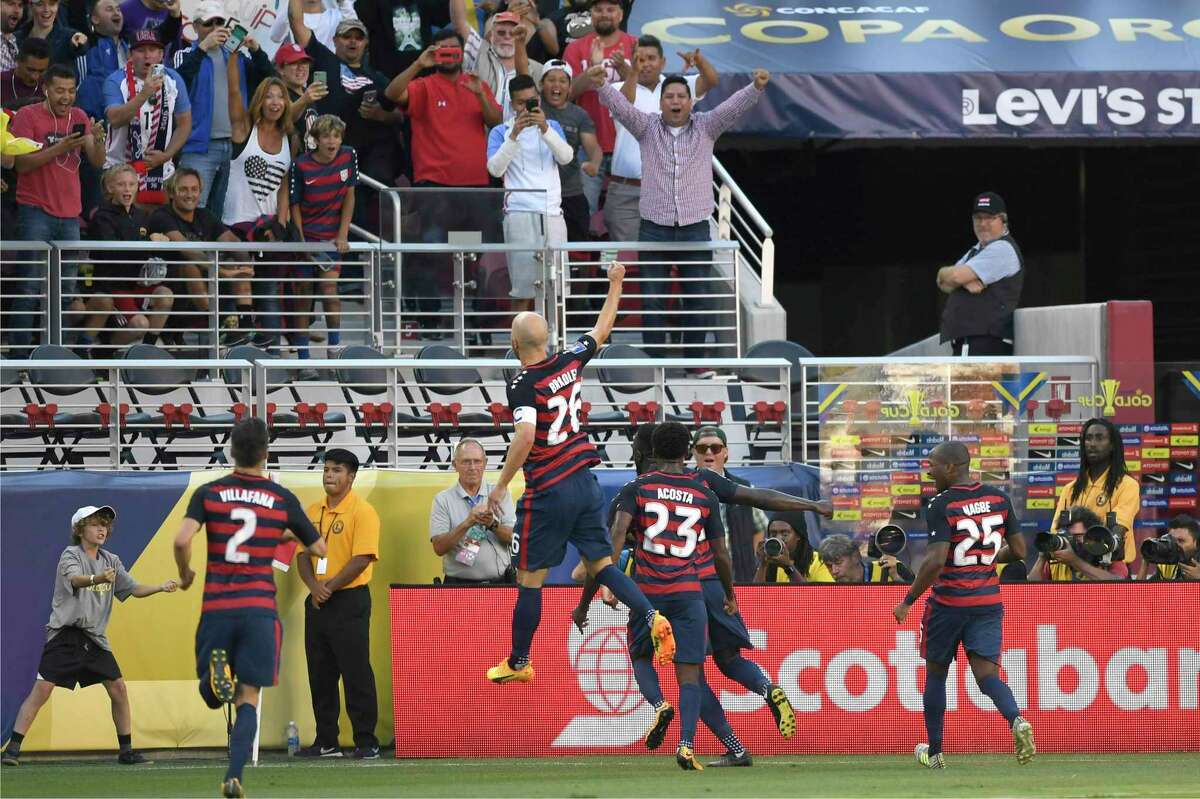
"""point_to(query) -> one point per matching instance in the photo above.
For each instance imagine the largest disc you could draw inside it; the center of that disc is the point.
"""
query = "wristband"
(909, 599)
(91, 579)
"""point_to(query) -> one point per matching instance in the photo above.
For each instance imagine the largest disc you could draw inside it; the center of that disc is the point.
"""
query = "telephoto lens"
(773, 547)
(1052, 542)
(1163, 549)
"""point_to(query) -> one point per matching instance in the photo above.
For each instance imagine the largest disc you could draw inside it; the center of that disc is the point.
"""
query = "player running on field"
(562, 500)
(245, 515)
(969, 525)
(727, 632)
(670, 513)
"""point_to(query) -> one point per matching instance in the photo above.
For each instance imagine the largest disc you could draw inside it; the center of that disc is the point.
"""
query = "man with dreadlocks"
(1103, 485)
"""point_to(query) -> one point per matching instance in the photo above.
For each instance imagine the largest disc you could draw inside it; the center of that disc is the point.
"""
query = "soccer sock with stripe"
(934, 699)
(998, 691)
(627, 591)
(745, 673)
(713, 716)
(241, 740)
(527, 614)
(689, 712)
(647, 681)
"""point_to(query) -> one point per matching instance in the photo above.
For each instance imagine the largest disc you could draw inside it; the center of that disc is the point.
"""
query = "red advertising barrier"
(1098, 668)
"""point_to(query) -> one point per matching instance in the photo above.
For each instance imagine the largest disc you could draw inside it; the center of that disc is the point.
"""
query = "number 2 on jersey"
(565, 408)
(991, 538)
(687, 529)
(249, 524)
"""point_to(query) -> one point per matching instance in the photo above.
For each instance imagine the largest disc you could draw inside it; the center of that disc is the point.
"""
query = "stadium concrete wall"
(154, 638)
(1094, 667)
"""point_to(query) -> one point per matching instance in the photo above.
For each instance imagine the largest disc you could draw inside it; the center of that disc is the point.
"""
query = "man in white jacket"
(527, 152)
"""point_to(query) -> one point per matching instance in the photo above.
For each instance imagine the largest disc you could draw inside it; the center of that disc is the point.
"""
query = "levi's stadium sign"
(1086, 680)
(944, 70)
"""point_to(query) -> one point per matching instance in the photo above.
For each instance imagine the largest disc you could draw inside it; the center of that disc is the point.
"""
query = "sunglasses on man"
(707, 449)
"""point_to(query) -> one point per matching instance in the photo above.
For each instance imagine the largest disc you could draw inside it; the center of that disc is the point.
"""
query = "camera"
(1164, 549)
(1101, 540)
(773, 547)
(888, 540)
(448, 55)
(1052, 542)
(531, 104)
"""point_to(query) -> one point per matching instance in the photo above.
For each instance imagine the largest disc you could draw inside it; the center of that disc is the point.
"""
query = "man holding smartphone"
(202, 66)
(527, 153)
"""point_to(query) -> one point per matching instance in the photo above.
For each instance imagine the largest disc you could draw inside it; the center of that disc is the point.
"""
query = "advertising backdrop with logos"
(949, 69)
(1085, 682)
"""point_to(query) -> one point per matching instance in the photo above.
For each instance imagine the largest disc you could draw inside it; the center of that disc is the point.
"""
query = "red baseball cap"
(507, 16)
(290, 54)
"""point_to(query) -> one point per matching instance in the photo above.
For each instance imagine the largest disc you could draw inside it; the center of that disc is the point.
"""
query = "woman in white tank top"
(261, 154)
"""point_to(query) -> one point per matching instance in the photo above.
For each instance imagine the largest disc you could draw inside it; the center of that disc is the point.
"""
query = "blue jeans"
(693, 322)
(593, 186)
(213, 167)
(34, 224)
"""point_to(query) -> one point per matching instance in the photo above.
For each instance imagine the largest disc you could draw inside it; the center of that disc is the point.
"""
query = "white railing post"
(767, 277)
(724, 211)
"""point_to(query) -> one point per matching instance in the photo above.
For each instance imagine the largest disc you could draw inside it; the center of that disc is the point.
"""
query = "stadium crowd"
(221, 143)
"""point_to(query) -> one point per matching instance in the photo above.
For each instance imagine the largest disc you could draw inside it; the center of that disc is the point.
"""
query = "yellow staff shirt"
(1126, 501)
(350, 529)
(818, 572)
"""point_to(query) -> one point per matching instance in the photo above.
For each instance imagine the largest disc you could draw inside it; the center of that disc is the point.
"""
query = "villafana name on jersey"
(674, 515)
(244, 518)
(975, 520)
(549, 395)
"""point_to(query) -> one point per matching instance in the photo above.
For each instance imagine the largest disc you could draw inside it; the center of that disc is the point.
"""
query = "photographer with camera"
(1175, 555)
(847, 564)
(1104, 486)
(786, 555)
(1075, 553)
(527, 153)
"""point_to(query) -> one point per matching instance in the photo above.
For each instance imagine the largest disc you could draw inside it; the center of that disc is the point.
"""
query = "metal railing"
(738, 219)
(120, 414)
(709, 299)
(390, 412)
(25, 293)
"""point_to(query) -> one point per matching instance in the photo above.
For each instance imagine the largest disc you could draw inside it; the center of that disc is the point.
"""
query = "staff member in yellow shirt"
(1103, 485)
(337, 614)
(797, 562)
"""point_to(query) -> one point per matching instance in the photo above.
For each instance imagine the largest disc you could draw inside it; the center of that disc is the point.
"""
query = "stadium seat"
(446, 392)
(620, 385)
(366, 393)
(169, 399)
(762, 421)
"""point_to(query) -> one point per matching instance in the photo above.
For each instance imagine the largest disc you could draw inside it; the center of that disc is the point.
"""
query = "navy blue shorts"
(252, 642)
(689, 623)
(570, 510)
(724, 631)
(944, 628)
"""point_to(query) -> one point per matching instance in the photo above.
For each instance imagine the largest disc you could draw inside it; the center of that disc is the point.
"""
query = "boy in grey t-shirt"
(77, 650)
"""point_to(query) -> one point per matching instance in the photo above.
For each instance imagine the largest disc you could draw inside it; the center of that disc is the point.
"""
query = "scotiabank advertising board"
(1094, 667)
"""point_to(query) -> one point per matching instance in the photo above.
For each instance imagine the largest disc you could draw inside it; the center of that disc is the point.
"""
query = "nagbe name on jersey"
(677, 495)
(563, 380)
(976, 508)
(248, 495)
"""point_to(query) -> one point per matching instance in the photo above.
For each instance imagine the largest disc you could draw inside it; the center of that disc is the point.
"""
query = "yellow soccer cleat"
(921, 752)
(664, 640)
(1023, 746)
(781, 709)
(220, 677)
(686, 759)
(662, 721)
(502, 673)
(232, 789)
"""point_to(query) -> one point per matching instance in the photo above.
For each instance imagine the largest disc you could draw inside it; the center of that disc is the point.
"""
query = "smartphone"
(448, 55)
(319, 76)
(236, 34)
(531, 104)
(370, 96)
(78, 130)
(158, 70)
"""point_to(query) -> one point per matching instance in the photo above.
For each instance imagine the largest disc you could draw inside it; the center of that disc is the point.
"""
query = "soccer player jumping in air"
(562, 500)
(971, 528)
(238, 641)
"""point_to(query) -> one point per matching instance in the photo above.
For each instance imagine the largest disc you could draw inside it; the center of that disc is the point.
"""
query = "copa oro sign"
(800, 25)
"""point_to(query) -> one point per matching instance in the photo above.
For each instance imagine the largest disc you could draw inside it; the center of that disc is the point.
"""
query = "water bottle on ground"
(293, 739)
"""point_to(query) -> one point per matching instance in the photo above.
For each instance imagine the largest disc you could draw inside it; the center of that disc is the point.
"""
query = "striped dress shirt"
(677, 169)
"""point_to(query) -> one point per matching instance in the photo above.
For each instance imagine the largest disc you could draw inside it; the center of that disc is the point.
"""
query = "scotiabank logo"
(1086, 669)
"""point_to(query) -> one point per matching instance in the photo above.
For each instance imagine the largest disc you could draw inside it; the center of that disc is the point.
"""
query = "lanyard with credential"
(323, 563)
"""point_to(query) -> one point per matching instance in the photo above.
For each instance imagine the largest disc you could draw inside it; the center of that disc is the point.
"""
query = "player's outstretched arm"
(724, 566)
(183, 552)
(608, 314)
(518, 451)
(931, 567)
(770, 499)
(141, 590)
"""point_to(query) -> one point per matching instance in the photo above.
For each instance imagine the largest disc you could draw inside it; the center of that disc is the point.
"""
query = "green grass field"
(1083, 775)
